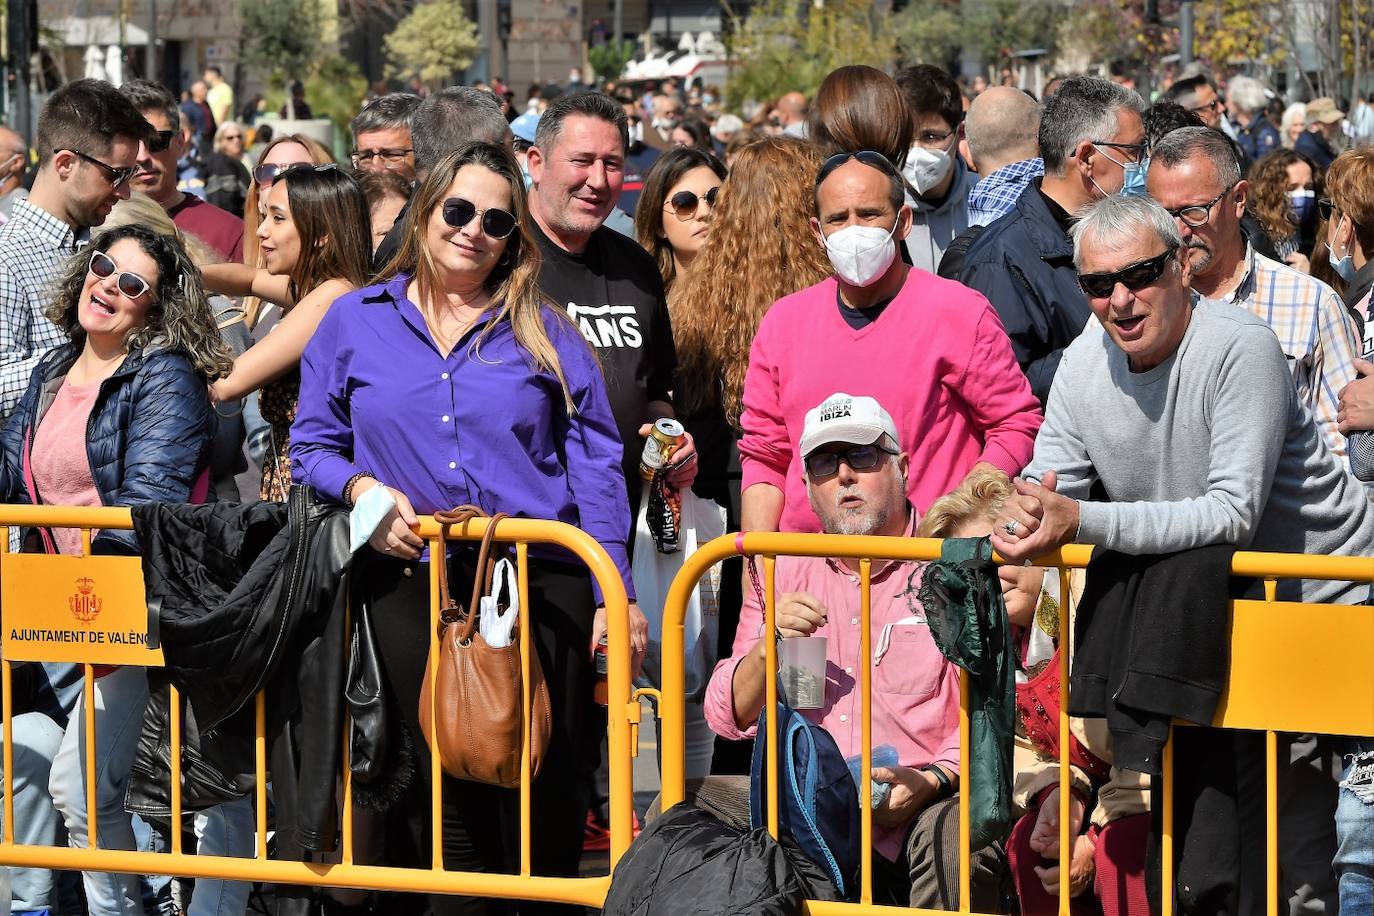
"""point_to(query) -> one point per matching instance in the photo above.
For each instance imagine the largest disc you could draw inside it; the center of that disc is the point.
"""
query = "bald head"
(1002, 127)
(14, 159)
(792, 108)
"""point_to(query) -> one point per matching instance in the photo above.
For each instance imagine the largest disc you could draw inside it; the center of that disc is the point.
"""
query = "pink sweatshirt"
(937, 359)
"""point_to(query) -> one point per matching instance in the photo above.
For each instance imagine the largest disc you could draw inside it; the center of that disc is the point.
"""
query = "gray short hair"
(386, 112)
(1083, 108)
(588, 104)
(1116, 219)
(450, 118)
(1247, 94)
(1180, 145)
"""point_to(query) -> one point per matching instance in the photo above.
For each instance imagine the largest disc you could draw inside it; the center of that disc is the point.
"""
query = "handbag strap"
(467, 621)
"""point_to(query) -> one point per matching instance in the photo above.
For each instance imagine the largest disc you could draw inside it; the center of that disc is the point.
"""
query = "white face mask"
(861, 254)
(925, 168)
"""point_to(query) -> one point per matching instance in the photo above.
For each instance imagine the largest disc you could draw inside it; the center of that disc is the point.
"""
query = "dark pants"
(480, 822)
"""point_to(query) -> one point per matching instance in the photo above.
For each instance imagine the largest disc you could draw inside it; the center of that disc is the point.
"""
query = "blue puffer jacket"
(147, 439)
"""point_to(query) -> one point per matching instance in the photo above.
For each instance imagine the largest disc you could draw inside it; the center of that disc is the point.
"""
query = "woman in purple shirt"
(453, 382)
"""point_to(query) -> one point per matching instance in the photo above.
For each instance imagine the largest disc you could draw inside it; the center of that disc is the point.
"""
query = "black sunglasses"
(684, 203)
(1133, 276)
(497, 223)
(867, 156)
(115, 176)
(160, 140)
(820, 465)
(130, 285)
(1326, 207)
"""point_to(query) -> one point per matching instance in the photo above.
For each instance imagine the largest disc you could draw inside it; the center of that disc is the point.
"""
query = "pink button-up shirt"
(915, 690)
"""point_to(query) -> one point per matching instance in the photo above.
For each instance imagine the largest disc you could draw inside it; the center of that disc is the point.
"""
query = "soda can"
(664, 438)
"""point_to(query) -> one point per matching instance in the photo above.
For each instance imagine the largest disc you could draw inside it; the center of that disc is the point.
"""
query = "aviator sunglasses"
(1134, 277)
(684, 203)
(497, 223)
(131, 285)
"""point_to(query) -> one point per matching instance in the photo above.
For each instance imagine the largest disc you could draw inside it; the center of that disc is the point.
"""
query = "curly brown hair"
(760, 249)
(179, 317)
(1269, 191)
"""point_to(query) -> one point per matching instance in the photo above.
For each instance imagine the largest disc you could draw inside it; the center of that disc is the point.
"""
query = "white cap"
(845, 418)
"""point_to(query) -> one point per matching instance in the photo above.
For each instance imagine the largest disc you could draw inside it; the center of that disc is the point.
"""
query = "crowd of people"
(903, 307)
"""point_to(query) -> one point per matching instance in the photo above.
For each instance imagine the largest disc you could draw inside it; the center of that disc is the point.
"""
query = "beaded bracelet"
(348, 487)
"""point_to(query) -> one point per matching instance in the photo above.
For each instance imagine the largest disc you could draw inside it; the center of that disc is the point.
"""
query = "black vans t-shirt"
(614, 294)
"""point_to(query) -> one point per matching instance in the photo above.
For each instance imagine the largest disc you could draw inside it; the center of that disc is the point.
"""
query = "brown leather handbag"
(478, 702)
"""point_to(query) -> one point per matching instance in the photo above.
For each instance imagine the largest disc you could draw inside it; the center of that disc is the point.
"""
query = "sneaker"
(596, 836)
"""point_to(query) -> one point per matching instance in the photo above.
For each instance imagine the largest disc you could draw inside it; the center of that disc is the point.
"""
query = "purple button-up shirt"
(482, 425)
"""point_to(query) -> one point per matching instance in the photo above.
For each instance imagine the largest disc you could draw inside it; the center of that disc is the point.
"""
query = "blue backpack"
(818, 803)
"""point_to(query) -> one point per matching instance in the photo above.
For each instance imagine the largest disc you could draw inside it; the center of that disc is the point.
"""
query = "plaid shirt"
(34, 245)
(1316, 332)
(996, 194)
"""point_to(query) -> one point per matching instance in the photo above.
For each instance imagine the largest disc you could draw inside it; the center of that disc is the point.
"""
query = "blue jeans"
(1354, 861)
(120, 698)
(36, 822)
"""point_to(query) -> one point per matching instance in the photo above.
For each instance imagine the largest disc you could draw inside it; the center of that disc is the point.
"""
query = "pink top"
(937, 359)
(61, 469)
(915, 690)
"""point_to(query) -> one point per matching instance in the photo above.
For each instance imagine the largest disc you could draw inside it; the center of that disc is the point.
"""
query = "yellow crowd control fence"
(1294, 668)
(92, 609)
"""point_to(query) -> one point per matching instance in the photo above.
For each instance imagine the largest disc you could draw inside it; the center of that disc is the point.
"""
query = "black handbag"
(381, 754)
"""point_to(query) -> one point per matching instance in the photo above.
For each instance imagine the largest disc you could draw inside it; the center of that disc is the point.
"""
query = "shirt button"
(408, 572)
(452, 465)
(849, 671)
(444, 376)
(844, 718)
(445, 418)
(854, 621)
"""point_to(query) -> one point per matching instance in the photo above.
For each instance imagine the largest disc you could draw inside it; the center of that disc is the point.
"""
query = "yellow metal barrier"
(347, 873)
(1261, 692)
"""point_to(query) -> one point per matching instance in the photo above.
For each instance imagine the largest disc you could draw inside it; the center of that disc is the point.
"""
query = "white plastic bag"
(498, 626)
(702, 520)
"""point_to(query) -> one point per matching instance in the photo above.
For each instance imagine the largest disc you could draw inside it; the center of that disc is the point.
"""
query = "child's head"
(970, 509)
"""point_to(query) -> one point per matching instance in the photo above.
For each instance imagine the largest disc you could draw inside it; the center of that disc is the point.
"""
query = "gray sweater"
(1210, 447)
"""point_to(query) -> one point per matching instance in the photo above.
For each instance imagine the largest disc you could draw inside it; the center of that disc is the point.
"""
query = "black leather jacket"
(247, 598)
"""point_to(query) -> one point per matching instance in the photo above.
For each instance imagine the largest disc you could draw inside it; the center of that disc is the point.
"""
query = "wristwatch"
(944, 788)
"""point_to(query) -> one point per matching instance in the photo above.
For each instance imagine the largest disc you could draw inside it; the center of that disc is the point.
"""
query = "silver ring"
(1010, 528)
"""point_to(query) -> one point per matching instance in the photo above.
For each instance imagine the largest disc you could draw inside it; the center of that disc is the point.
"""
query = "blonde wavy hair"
(981, 495)
(760, 249)
(513, 283)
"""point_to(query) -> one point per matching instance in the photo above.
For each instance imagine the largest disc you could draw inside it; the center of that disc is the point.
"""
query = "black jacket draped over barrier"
(245, 598)
(1152, 641)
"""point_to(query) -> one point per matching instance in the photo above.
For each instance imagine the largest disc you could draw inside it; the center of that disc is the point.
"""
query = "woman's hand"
(395, 535)
(682, 469)
(1021, 591)
(1082, 869)
(639, 634)
(1044, 838)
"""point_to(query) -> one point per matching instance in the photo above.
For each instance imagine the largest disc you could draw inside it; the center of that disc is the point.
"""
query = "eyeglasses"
(867, 156)
(130, 285)
(160, 140)
(820, 465)
(115, 176)
(1134, 151)
(684, 203)
(1210, 106)
(389, 155)
(1134, 277)
(1326, 207)
(1197, 214)
(497, 223)
(268, 172)
(933, 137)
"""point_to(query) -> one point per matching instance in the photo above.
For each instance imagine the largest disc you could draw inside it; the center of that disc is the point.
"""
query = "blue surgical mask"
(1133, 184)
(1343, 266)
(1304, 204)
